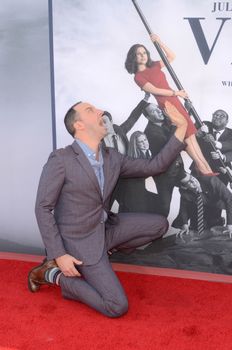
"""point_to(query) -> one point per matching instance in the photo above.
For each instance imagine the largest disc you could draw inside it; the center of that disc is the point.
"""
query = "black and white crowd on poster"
(205, 188)
(214, 192)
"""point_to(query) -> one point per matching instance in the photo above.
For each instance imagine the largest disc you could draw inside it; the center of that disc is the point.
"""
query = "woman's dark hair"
(131, 64)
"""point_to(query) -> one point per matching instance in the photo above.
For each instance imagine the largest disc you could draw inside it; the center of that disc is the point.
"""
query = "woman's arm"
(168, 52)
(152, 89)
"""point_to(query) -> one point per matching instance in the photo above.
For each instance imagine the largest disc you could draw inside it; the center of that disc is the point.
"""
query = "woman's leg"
(195, 153)
(192, 148)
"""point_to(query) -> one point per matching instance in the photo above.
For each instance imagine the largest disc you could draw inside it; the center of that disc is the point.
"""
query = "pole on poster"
(188, 104)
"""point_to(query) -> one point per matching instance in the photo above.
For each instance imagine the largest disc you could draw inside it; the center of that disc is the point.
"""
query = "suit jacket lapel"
(84, 162)
(224, 135)
(107, 170)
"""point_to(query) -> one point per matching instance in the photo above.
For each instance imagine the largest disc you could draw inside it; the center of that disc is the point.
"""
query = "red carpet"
(165, 313)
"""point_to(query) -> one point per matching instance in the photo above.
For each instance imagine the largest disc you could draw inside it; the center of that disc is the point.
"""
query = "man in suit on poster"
(214, 194)
(73, 213)
(217, 132)
(116, 138)
(159, 131)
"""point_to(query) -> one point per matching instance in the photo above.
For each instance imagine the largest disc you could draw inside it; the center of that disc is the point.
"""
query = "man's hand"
(183, 231)
(218, 145)
(222, 170)
(67, 263)
(204, 128)
(202, 131)
(217, 155)
(209, 138)
(229, 228)
(226, 170)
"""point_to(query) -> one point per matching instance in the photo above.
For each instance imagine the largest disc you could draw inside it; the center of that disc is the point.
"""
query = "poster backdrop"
(91, 41)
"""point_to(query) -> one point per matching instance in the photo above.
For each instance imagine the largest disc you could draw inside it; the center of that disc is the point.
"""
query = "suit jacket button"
(102, 222)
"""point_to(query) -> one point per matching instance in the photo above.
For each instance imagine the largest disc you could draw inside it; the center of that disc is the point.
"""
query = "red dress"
(156, 77)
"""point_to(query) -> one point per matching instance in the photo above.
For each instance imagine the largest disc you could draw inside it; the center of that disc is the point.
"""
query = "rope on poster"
(188, 104)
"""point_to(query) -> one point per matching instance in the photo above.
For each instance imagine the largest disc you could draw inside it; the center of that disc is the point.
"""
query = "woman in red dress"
(150, 78)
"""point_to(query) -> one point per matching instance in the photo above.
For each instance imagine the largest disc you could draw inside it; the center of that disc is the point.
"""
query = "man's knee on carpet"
(117, 308)
(112, 308)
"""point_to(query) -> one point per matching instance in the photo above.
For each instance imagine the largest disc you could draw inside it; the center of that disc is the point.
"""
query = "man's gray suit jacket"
(69, 204)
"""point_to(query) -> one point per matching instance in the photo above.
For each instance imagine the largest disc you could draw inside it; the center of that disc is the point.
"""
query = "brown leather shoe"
(36, 276)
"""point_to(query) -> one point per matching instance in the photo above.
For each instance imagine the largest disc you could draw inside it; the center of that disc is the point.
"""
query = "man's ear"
(79, 125)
